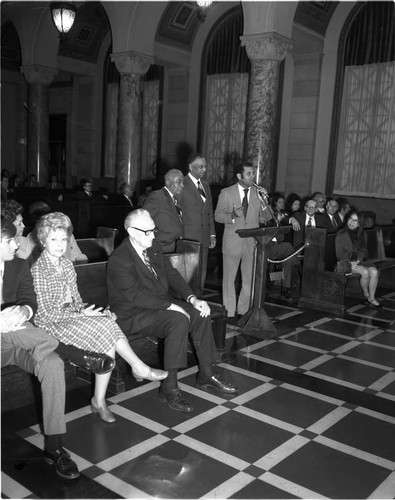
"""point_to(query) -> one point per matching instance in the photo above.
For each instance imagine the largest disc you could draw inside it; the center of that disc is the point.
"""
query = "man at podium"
(239, 207)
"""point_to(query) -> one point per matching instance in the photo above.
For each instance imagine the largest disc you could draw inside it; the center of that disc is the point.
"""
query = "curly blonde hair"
(53, 222)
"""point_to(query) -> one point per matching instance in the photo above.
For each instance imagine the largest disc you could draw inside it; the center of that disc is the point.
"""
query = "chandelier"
(204, 3)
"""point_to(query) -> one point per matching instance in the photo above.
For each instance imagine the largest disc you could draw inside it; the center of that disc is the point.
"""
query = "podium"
(256, 322)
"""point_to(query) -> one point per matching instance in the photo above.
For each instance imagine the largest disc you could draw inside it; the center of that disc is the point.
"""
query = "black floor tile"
(318, 339)
(260, 489)
(373, 354)
(285, 353)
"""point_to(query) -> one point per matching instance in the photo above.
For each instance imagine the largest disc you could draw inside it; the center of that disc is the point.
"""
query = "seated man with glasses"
(301, 220)
(151, 298)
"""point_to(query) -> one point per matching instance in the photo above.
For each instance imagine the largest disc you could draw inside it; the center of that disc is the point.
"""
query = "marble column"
(132, 67)
(39, 78)
(265, 52)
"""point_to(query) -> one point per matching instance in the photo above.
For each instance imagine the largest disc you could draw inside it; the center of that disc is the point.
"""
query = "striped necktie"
(201, 190)
(310, 221)
(178, 208)
(147, 262)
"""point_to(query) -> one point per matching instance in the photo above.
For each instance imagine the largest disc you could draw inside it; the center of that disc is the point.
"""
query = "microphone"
(260, 190)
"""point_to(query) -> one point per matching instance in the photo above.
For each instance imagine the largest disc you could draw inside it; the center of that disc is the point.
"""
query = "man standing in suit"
(239, 208)
(151, 298)
(197, 208)
(164, 206)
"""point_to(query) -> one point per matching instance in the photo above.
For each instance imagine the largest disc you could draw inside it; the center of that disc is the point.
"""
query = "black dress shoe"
(175, 400)
(98, 363)
(217, 383)
(232, 320)
(64, 466)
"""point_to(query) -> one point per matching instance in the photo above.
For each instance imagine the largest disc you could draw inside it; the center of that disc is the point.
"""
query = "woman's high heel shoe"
(152, 374)
(379, 305)
(104, 412)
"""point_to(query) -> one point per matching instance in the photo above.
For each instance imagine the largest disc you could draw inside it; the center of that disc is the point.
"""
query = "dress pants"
(230, 267)
(173, 327)
(30, 338)
(50, 373)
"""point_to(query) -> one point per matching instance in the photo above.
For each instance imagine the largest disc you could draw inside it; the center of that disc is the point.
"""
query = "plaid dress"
(59, 309)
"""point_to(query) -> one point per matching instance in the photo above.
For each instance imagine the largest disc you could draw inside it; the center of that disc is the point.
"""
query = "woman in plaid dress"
(62, 314)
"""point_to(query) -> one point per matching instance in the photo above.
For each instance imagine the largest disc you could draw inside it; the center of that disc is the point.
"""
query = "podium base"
(257, 323)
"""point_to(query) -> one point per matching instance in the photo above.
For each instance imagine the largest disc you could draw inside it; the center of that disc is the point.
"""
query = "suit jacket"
(122, 201)
(18, 286)
(232, 244)
(164, 213)
(133, 291)
(299, 236)
(197, 215)
(326, 222)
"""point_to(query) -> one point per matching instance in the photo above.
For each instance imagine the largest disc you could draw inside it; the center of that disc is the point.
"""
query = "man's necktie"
(244, 203)
(178, 208)
(310, 221)
(201, 190)
(147, 262)
(334, 222)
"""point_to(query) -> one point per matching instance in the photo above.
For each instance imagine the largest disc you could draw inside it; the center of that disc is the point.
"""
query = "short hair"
(135, 215)
(8, 230)
(193, 156)
(38, 209)
(342, 202)
(170, 174)
(239, 169)
(308, 201)
(11, 209)
(53, 222)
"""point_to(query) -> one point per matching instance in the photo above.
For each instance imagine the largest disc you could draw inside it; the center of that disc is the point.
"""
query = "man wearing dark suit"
(151, 298)
(124, 198)
(164, 206)
(36, 352)
(239, 208)
(197, 208)
(301, 220)
(329, 219)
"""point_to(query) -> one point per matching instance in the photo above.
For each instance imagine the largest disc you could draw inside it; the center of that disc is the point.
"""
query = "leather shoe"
(175, 400)
(64, 466)
(217, 383)
(98, 363)
(103, 411)
(232, 320)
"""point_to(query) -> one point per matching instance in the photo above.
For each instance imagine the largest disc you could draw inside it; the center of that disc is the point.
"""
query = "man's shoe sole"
(63, 476)
(165, 400)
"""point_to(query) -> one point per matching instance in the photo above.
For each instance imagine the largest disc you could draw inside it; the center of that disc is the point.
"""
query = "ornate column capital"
(266, 46)
(36, 73)
(132, 62)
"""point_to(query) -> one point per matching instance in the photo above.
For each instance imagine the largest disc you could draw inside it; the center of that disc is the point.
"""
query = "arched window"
(363, 129)
(225, 74)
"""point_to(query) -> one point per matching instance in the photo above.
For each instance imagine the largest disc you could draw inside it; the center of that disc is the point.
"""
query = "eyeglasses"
(353, 220)
(147, 232)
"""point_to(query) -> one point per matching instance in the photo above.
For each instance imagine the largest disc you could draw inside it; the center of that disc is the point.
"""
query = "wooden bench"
(91, 279)
(324, 289)
(100, 248)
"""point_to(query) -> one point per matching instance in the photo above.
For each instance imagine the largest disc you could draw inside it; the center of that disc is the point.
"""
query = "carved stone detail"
(266, 46)
(132, 62)
(35, 73)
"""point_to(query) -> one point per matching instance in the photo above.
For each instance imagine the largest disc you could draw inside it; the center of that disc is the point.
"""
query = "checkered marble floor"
(314, 418)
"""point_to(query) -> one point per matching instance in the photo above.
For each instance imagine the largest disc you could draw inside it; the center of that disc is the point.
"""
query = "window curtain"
(365, 155)
(366, 148)
(225, 75)
(226, 103)
(150, 129)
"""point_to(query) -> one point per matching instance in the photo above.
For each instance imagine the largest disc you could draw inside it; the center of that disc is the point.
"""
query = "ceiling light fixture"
(63, 15)
(203, 6)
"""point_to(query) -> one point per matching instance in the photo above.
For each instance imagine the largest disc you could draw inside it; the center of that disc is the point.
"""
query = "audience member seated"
(61, 311)
(85, 192)
(165, 209)
(344, 208)
(151, 298)
(31, 181)
(293, 204)
(328, 219)
(73, 252)
(4, 188)
(12, 211)
(15, 184)
(53, 183)
(34, 351)
(351, 254)
(301, 220)
(277, 201)
(319, 198)
(125, 196)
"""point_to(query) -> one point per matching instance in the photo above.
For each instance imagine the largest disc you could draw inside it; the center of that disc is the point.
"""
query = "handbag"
(343, 266)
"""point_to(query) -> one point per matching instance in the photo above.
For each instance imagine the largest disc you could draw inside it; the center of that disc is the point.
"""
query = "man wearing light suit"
(239, 208)
(197, 208)
(165, 209)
